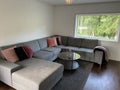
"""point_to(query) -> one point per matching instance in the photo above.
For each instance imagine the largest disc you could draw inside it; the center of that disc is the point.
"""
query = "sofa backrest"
(43, 43)
(89, 43)
(74, 42)
(79, 42)
(1, 54)
(64, 40)
(34, 45)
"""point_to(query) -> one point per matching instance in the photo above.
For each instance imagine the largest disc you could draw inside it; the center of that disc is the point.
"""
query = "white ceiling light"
(69, 1)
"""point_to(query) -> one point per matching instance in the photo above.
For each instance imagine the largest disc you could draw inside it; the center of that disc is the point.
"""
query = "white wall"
(64, 23)
(24, 20)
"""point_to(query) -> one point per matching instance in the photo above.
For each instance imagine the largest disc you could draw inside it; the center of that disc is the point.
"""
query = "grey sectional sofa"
(85, 47)
(39, 72)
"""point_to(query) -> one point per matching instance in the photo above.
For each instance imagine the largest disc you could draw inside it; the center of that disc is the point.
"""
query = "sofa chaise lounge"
(39, 72)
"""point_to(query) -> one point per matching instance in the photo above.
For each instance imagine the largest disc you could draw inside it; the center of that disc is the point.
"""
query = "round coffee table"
(68, 59)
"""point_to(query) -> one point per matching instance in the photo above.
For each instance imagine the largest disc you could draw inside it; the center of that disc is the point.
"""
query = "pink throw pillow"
(10, 54)
(52, 42)
(28, 51)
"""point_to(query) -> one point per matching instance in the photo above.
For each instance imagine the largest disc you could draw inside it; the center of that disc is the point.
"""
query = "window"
(104, 27)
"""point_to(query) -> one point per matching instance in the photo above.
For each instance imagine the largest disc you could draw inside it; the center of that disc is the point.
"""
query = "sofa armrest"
(6, 70)
(98, 57)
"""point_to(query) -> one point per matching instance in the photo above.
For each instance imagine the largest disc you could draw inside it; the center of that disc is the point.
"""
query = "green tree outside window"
(98, 26)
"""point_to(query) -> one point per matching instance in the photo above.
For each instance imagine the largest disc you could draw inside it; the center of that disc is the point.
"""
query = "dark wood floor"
(106, 78)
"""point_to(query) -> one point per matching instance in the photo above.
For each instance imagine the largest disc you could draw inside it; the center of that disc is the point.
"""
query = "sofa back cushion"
(77, 42)
(89, 43)
(64, 40)
(43, 43)
(34, 45)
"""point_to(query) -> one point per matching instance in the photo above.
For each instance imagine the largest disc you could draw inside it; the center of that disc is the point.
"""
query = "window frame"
(101, 39)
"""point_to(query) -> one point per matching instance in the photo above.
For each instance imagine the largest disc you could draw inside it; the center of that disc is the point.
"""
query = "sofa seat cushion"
(37, 74)
(86, 50)
(76, 48)
(85, 53)
(55, 50)
(43, 55)
(67, 48)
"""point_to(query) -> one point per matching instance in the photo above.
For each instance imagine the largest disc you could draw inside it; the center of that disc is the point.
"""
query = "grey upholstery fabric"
(98, 57)
(74, 42)
(43, 43)
(37, 75)
(64, 40)
(89, 43)
(6, 69)
(47, 55)
(55, 50)
(68, 47)
(34, 45)
(19, 44)
(85, 53)
(1, 57)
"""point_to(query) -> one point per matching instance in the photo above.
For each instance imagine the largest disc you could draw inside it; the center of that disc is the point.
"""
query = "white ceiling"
(62, 2)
